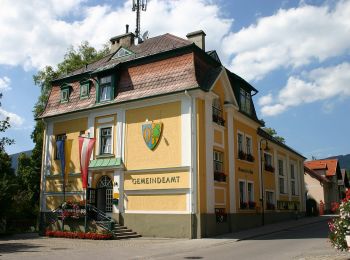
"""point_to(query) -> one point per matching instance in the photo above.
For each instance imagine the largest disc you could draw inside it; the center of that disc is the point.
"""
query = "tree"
(29, 169)
(7, 177)
(273, 133)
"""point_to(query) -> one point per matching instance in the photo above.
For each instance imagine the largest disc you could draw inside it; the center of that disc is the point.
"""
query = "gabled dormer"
(122, 52)
(106, 88)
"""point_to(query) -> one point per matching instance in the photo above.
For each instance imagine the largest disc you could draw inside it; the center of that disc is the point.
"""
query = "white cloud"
(15, 120)
(290, 38)
(319, 84)
(5, 83)
(37, 32)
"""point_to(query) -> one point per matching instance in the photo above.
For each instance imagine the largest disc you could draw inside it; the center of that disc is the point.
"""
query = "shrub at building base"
(340, 226)
(79, 235)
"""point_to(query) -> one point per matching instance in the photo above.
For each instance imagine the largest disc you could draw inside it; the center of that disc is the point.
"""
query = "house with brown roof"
(178, 147)
(325, 181)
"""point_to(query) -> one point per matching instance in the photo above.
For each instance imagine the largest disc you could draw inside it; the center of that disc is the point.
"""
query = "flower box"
(78, 235)
(252, 204)
(270, 206)
(242, 155)
(250, 158)
(220, 176)
(243, 205)
(269, 168)
(219, 120)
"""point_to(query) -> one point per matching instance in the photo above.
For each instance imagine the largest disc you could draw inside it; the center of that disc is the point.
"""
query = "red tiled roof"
(314, 174)
(329, 165)
(182, 71)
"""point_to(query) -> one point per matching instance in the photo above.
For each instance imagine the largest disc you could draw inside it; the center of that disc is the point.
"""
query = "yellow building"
(179, 151)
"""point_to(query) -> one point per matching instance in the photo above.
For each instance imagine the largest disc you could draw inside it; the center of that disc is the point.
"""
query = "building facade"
(179, 149)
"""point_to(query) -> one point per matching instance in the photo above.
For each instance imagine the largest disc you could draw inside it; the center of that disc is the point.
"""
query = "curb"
(283, 229)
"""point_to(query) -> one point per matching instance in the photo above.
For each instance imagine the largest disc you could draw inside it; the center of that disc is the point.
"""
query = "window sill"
(216, 125)
(242, 160)
(109, 155)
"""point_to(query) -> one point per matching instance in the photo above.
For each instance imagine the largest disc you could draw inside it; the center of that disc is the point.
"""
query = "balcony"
(218, 119)
(269, 168)
(220, 176)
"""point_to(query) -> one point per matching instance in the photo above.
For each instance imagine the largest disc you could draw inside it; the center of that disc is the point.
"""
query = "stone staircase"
(122, 232)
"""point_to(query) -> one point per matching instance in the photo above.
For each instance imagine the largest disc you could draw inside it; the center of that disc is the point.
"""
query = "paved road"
(303, 242)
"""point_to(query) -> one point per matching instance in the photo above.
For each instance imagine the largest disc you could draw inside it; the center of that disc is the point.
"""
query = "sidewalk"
(273, 228)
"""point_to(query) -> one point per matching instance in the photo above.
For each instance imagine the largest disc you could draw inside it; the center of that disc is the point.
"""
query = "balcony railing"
(220, 176)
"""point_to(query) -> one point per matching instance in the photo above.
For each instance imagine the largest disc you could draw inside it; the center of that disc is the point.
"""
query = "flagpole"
(85, 220)
(63, 176)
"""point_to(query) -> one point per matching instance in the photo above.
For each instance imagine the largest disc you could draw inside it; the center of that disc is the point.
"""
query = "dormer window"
(245, 101)
(84, 89)
(122, 52)
(106, 88)
(65, 91)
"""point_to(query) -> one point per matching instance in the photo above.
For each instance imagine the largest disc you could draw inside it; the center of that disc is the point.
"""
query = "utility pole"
(138, 5)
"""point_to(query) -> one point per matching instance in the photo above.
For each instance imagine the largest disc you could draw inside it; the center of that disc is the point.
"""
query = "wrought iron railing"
(100, 217)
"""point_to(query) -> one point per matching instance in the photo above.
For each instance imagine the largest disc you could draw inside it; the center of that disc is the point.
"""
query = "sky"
(296, 53)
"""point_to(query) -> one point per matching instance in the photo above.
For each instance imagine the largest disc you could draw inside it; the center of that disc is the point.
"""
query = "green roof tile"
(105, 163)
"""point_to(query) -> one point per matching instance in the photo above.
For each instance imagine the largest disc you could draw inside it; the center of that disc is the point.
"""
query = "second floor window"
(292, 180)
(106, 140)
(218, 161)
(106, 88)
(268, 162)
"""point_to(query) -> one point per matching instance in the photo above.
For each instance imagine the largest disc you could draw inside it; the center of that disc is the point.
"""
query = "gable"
(121, 52)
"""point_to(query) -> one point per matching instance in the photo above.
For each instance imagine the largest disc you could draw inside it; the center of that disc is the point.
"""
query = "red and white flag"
(85, 149)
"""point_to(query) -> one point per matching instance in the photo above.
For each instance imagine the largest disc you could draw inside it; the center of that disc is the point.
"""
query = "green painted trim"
(105, 163)
(64, 90)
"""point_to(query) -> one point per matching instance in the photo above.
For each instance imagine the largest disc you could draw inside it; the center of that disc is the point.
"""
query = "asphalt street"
(307, 241)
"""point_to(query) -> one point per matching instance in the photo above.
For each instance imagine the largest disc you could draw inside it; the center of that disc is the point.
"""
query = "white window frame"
(253, 197)
(244, 190)
(294, 180)
(246, 136)
(105, 82)
(98, 130)
(284, 176)
(243, 143)
(216, 158)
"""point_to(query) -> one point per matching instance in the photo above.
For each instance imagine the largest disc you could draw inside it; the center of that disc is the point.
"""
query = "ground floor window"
(270, 200)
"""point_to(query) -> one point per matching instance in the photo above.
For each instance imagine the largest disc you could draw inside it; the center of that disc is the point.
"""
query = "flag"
(85, 149)
(61, 156)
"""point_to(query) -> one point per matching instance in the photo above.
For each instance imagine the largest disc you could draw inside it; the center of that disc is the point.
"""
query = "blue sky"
(296, 53)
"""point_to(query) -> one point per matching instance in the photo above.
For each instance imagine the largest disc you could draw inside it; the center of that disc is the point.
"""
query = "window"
(106, 88)
(250, 192)
(240, 142)
(58, 138)
(217, 112)
(245, 101)
(242, 194)
(281, 176)
(84, 90)
(246, 195)
(249, 145)
(268, 162)
(106, 140)
(218, 161)
(270, 200)
(293, 179)
(64, 95)
(219, 174)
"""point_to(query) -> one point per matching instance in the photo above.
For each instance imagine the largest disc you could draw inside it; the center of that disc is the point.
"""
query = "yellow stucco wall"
(72, 184)
(218, 137)
(168, 151)
(161, 202)
(163, 180)
(72, 130)
(248, 171)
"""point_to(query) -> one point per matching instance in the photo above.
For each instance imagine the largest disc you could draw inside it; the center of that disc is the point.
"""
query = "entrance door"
(104, 194)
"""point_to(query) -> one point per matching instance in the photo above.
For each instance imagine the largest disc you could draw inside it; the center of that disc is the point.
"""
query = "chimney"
(124, 40)
(198, 38)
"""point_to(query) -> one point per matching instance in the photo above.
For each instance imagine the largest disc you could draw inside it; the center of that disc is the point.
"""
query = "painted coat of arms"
(151, 133)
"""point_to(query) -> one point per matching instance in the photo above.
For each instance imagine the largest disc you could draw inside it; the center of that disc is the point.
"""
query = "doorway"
(104, 194)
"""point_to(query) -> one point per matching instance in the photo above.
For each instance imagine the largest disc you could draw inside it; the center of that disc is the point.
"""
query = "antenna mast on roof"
(138, 5)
